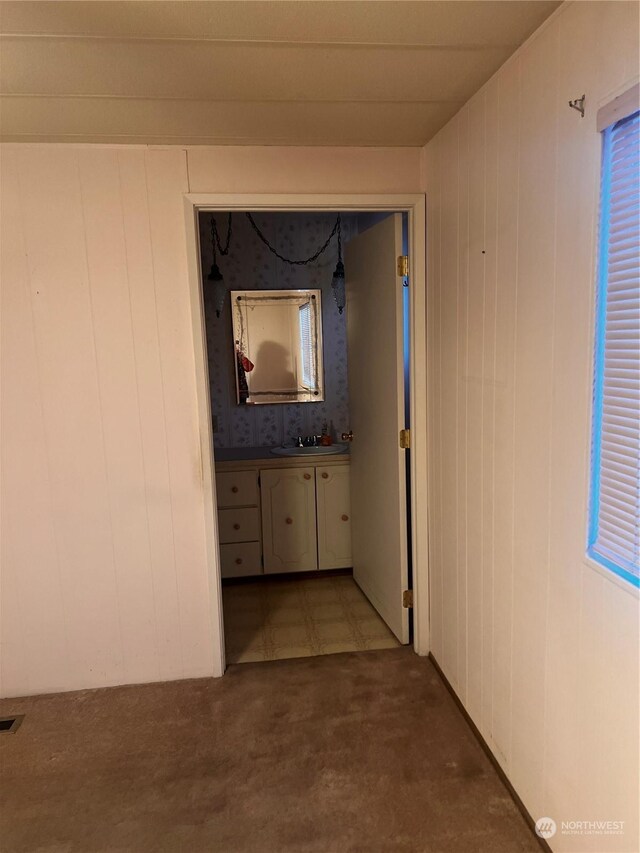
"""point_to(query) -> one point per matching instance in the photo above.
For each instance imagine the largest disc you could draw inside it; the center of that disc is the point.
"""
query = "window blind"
(306, 347)
(614, 535)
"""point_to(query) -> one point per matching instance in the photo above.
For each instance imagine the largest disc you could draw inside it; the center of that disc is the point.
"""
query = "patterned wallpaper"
(250, 266)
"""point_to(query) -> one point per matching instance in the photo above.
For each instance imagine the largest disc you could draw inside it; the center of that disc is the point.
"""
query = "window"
(306, 347)
(614, 524)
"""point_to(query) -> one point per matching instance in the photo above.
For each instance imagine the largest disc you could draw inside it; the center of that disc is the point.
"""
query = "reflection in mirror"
(278, 346)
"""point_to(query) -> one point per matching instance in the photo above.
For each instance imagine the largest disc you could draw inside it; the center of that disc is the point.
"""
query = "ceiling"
(239, 72)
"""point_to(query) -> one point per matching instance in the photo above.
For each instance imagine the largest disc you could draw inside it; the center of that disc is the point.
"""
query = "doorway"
(413, 207)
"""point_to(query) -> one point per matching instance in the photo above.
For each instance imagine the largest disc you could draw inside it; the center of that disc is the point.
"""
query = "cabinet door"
(334, 516)
(289, 541)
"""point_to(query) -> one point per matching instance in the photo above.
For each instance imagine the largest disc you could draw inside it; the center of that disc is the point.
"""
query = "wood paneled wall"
(541, 647)
(104, 574)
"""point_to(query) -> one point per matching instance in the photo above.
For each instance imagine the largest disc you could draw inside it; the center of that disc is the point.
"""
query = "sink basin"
(332, 450)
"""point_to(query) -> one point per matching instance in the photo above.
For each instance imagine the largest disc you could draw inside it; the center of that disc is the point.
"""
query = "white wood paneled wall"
(104, 573)
(103, 560)
(541, 648)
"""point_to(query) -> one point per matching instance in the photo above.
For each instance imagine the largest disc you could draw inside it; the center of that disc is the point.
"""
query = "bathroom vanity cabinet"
(283, 515)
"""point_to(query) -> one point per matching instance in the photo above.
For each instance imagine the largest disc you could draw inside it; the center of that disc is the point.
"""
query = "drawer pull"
(234, 489)
(289, 521)
(236, 526)
(238, 561)
(307, 476)
(345, 518)
(325, 476)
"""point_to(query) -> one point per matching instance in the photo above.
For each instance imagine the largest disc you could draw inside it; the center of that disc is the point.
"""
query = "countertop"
(252, 455)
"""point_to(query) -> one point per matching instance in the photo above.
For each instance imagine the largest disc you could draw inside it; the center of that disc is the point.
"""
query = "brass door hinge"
(405, 439)
(403, 265)
(407, 598)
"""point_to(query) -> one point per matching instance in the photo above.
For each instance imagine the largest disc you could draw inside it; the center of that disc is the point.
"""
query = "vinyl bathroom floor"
(293, 618)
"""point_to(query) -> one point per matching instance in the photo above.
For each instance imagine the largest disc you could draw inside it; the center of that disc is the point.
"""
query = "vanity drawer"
(239, 488)
(240, 559)
(239, 525)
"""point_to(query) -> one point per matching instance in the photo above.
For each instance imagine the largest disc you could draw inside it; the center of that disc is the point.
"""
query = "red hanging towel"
(248, 365)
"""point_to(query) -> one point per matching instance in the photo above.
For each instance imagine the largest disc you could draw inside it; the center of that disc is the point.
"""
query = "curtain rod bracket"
(578, 104)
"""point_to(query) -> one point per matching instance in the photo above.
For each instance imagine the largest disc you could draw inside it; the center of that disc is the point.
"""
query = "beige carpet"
(273, 619)
(363, 752)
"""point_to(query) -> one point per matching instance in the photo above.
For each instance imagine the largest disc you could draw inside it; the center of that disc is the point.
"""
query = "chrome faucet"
(307, 440)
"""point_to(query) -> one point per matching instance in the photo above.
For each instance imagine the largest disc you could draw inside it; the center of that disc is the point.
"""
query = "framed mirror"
(277, 338)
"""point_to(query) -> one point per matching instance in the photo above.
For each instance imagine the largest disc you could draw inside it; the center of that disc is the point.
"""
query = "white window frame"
(620, 109)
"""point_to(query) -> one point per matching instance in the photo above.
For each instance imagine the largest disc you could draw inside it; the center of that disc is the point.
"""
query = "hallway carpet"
(361, 751)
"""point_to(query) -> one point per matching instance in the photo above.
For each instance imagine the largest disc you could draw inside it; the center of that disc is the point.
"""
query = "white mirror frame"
(274, 396)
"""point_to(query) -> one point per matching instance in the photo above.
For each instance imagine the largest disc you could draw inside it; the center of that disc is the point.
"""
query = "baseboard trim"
(487, 750)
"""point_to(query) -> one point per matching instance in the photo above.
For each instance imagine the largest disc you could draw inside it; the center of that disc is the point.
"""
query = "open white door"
(376, 393)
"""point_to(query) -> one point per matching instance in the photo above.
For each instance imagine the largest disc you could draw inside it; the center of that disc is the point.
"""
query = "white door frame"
(414, 205)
